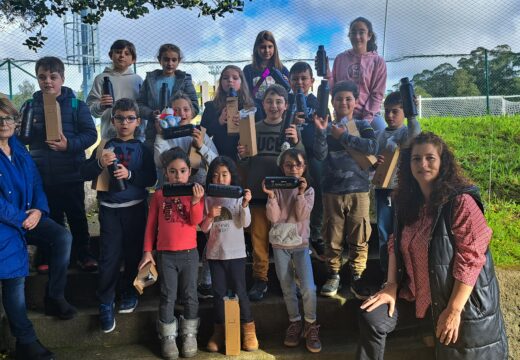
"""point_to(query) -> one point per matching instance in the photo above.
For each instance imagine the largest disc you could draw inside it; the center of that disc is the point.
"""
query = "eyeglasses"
(121, 119)
(290, 166)
(8, 120)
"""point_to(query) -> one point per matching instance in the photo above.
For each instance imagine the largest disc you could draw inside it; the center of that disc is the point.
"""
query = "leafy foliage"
(33, 14)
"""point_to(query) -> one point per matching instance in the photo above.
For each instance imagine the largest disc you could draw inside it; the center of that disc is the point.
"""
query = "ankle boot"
(216, 342)
(249, 340)
(188, 333)
(167, 334)
(33, 351)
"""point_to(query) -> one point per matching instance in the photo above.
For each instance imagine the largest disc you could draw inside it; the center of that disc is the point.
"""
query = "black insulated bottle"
(281, 182)
(27, 122)
(108, 89)
(115, 184)
(323, 98)
(178, 189)
(407, 97)
(321, 61)
(164, 96)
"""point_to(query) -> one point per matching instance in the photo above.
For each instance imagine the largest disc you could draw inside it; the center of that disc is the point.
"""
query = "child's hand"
(270, 193)
(292, 134)
(302, 186)
(337, 131)
(59, 145)
(299, 118)
(147, 257)
(222, 119)
(106, 100)
(247, 198)
(380, 160)
(214, 211)
(107, 158)
(321, 123)
(121, 172)
(198, 139)
(198, 193)
(242, 151)
(236, 119)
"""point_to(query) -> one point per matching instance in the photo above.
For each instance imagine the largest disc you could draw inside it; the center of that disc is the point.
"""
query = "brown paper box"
(248, 134)
(232, 325)
(385, 170)
(52, 117)
(102, 183)
(147, 276)
(364, 161)
(232, 110)
(195, 157)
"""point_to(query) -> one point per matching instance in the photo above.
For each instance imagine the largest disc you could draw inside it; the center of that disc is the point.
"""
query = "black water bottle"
(321, 61)
(278, 77)
(116, 185)
(301, 103)
(27, 122)
(281, 182)
(108, 89)
(323, 99)
(164, 97)
(407, 97)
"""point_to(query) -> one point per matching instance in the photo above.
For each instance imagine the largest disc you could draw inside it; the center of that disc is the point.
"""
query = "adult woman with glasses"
(23, 209)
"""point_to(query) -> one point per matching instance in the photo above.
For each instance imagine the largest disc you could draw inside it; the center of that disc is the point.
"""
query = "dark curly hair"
(227, 162)
(408, 196)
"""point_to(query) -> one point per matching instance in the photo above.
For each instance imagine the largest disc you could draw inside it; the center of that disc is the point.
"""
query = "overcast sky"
(413, 27)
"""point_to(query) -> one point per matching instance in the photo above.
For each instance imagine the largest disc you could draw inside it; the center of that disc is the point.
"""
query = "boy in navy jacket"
(122, 213)
(59, 161)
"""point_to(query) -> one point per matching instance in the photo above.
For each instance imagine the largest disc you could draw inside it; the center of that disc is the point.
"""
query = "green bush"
(488, 149)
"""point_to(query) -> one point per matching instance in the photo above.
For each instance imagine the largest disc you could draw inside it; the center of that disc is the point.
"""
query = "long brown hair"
(257, 60)
(408, 196)
(244, 96)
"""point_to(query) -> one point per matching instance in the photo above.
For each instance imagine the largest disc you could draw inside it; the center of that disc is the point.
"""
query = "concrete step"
(335, 345)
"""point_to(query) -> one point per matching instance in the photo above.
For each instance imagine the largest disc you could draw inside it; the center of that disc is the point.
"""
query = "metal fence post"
(486, 73)
(419, 108)
(10, 79)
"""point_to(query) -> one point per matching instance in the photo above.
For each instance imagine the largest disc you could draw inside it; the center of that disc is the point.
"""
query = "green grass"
(488, 149)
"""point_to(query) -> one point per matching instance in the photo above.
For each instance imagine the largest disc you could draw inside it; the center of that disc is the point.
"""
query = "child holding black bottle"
(122, 209)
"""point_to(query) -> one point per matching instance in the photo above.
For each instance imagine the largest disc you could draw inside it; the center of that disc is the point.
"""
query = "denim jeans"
(13, 297)
(58, 241)
(385, 224)
(291, 262)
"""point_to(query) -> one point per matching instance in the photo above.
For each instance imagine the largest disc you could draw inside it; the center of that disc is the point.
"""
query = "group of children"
(332, 186)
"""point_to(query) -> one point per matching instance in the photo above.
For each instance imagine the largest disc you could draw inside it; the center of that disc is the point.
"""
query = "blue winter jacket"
(20, 190)
(62, 167)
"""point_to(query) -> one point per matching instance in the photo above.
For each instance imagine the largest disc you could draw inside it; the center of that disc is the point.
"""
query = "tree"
(436, 82)
(32, 15)
(503, 66)
(464, 84)
(26, 90)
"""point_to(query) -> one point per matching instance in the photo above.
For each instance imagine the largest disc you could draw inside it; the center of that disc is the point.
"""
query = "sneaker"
(312, 340)
(205, 291)
(88, 263)
(34, 350)
(43, 269)
(360, 288)
(59, 308)
(128, 303)
(293, 334)
(258, 290)
(106, 317)
(331, 286)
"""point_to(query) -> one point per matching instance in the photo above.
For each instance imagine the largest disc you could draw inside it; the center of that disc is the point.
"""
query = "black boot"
(33, 351)
(60, 308)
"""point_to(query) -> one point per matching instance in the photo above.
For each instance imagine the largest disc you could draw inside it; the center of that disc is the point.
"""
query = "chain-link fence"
(450, 49)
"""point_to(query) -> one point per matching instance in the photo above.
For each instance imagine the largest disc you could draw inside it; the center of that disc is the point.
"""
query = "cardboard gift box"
(102, 183)
(52, 113)
(232, 325)
(385, 170)
(363, 160)
(147, 276)
(232, 110)
(247, 131)
(194, 155)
